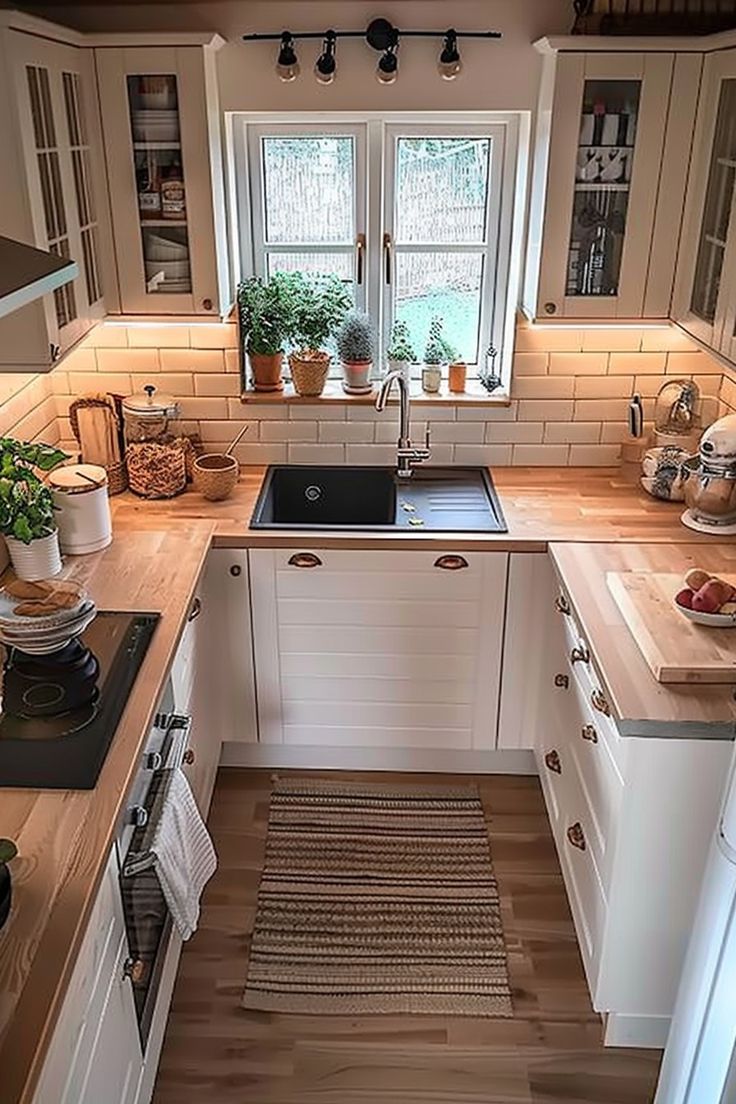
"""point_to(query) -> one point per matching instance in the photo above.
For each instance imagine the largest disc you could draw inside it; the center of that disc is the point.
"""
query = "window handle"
(387, 257)
(359, 258)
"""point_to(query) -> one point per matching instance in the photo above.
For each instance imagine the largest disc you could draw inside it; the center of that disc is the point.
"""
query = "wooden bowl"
(215, 475)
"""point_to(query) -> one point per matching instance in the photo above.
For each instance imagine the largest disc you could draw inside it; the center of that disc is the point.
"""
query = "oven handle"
(179, 725)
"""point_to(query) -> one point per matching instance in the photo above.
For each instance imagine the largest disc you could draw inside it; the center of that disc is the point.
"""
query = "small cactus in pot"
(355, 346)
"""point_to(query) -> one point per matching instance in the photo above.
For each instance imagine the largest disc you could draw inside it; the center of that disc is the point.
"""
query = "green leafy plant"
(438, 349)
(26, 505)
(321, 303)
(400, 346)
(267, 311)
(355, 339)
(8, 851)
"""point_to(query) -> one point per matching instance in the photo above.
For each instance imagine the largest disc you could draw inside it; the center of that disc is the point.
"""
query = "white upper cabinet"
(162, 144)
(705, 300)
(613, 146)
(58, 198)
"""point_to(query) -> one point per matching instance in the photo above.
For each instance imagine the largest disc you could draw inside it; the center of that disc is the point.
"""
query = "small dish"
(711, 620)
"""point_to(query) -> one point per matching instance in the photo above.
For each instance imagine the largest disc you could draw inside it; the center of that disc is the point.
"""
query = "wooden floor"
(217, 1053)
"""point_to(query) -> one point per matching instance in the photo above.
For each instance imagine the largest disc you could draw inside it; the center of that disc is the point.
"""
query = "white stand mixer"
(710, 481)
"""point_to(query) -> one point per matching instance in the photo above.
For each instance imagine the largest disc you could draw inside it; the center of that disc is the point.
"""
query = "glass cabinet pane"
(605, 155)
(159, 171)
(717, 211)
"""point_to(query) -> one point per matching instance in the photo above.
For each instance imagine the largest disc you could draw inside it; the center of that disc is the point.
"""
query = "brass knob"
(451, 563)
(562, 681)
(134, 968)
(188, 757)
(304, 559)
(580, 655)
(195, 610)
(576, 836)
(588, 732)
(562, 605)
(599, 702)
(550, 308)
(552, 762)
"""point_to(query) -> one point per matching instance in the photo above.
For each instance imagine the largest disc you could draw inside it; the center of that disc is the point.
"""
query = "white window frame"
(510, 133)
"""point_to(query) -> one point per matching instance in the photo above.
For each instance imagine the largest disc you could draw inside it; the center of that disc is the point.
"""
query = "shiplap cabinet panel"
(378, 649)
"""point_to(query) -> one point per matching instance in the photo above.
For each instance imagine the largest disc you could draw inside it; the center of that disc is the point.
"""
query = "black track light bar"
(259, 36)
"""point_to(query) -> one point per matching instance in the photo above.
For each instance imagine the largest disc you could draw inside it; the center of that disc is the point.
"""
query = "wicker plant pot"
(266, 371)
(309, 372)
(215, 475)
(357, 377)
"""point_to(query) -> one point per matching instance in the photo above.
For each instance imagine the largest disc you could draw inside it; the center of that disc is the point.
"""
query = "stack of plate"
(46, 634)
(155, 126)
(159, 248)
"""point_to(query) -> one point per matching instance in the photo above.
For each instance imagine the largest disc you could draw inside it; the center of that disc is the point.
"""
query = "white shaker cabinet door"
(378, 649)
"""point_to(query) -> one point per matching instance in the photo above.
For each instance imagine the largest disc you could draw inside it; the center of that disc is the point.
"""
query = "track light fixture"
(325, 66)
(449, 65)
(287, 65)
(381, 36)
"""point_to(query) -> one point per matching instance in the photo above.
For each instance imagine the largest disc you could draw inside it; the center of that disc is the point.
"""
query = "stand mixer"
(709, 481)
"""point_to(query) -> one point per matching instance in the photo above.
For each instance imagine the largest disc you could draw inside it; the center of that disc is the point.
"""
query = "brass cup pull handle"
(552, 762)
(195, 610)
(188, 757)
(576, 836)
(562, 681)
(599, 702)
(562, 605)
(589, 733)
(451, 563)
(134, 968)
(305, 559)
(580, 655)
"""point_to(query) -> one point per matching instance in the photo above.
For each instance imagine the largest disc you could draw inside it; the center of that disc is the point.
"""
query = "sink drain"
(313, 493)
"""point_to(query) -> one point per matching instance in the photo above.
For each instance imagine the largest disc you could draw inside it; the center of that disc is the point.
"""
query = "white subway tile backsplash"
(612, 339)
(217, 335)
(171, 383)
(260, 454)
(692, 363)
(547, 339)
(211, 384)
(615, 433)
(210, 408)
(289, 431)
(461, 433)
(315, 454)
(483, 455)
(192, 360)
(346, 432)
(664, 338)
(158, 337)
(572, 433)
(263, 412)
(530, 364)
(637, 364)
(538, 455)
(578, 364)
(600, 410)
(543, 387)
(554, 410)
(326, 412)
(82, 383)
(604, 387)
(500, 413)
(594, 455)
(512, 433)
(370, 454)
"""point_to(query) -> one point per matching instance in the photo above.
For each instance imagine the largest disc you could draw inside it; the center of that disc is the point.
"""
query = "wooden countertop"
(154, 564)
(642, 705)
(64, 837)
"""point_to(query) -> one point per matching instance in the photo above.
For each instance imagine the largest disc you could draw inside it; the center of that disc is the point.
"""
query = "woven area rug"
(377, 899)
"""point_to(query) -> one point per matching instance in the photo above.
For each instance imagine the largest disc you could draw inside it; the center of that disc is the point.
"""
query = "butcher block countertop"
(154, 564)
(64, 837)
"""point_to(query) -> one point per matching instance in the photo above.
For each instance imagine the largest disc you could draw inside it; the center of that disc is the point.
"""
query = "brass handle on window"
(576, 836)
(588, 732)
(359, 258)
(552, 762)
(562, 682)
(304, 559)
(451, 563)
(387, 257)
(599, 702)
(562, 605)
(134, 968)
(188, 757)
(580, 655)
(195, 610)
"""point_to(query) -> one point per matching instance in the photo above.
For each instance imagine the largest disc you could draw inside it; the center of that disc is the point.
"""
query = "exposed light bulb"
(325, 66)
(388, 67)
(449, 65)
(287, 66)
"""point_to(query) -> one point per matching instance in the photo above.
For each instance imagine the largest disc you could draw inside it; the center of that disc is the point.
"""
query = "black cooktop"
(60, 711)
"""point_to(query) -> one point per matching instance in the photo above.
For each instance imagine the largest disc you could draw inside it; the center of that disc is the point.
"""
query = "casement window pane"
(341, 264)
(309, 189)
(442, 189)
(444, 284)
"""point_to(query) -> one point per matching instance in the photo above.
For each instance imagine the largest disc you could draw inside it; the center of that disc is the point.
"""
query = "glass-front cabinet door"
(609, 144)
(158, 148)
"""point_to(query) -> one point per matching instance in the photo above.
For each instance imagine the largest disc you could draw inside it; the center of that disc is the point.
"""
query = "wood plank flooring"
(550, 1053)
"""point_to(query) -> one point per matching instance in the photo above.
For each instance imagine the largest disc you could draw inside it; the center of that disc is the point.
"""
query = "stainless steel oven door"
(147, 919)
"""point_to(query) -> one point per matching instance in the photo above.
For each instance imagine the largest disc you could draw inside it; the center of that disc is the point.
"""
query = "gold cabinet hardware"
(195, 610)
(451, 563)
(580, 655)
(576, 836)
(598, 701)
(562, 681)
(304, 559)
(134, 968)
(589, 733)
(188, 757)
(552, 761)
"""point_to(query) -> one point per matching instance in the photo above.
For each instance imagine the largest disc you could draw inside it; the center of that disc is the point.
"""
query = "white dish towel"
(184, 856)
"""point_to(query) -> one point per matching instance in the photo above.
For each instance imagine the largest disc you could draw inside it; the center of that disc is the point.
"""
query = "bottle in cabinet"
(173, 196)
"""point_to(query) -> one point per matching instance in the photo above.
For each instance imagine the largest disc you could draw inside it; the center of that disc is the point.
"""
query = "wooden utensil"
(240, 436)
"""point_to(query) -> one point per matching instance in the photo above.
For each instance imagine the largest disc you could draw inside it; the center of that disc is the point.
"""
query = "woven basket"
(117, 474)
(215, 475)
(309, 375)
(156, 470)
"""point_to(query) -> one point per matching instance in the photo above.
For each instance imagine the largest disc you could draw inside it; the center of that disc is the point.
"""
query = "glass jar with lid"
(155, 453)
(147, 414)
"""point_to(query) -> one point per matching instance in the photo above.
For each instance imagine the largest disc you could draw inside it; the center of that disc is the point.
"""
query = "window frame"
(510, 132)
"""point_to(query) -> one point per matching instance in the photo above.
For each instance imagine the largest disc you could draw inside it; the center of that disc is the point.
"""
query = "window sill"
(474, 395)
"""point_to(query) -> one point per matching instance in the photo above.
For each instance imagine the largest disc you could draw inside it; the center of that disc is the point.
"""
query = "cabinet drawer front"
(183, 667)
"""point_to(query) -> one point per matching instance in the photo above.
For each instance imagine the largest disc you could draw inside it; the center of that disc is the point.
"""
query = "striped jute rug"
(377, 898)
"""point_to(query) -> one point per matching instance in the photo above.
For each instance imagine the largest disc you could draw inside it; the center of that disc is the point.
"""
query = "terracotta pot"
(266, 370)
(38, 560)
(457, 376)
(309, 372)
(357, 377)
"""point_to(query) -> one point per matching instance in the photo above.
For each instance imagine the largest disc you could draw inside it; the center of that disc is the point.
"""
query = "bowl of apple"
(707, 600)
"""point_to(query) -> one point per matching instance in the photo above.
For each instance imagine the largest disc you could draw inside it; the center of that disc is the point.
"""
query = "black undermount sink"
(458, 500)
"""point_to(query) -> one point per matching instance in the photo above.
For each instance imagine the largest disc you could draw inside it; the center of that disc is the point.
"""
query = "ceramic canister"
(83, 517)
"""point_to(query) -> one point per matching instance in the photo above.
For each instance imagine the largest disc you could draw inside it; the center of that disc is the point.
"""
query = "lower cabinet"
(632, 821)
(378, 649)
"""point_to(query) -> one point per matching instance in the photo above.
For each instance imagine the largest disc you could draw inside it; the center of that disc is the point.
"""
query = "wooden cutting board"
(675, 649)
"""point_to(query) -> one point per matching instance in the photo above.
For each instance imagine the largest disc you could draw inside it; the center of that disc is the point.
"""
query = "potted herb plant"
(321, 303)
(437, 351)
(355, 346)
(266, 315)
(401, 353)
(27, 509)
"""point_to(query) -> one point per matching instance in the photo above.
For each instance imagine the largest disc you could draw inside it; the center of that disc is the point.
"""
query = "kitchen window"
(416, 217)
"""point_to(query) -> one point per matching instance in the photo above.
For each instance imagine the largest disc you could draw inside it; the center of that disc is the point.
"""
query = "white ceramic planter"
(403, 366)
(41, 559)
(357, 377)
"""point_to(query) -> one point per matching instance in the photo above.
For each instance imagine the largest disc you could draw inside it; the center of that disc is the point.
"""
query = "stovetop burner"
(60, 711)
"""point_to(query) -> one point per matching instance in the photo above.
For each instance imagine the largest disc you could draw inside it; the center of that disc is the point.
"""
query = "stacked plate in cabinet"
(33, 626)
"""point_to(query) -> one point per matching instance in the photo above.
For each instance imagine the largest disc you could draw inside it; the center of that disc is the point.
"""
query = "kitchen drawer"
(183, 667)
